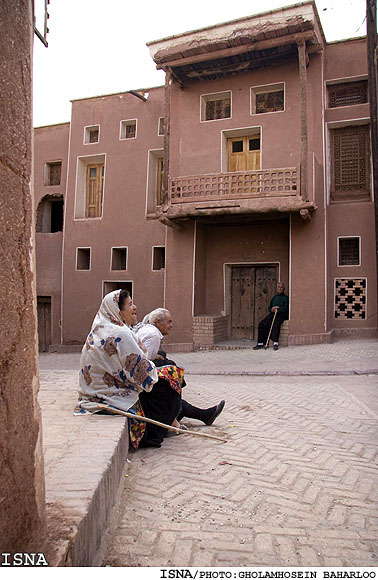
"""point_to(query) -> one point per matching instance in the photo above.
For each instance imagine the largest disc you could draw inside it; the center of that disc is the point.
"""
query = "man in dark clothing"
(279, 305)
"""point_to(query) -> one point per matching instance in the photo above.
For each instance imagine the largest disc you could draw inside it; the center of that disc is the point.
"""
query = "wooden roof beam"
(233, 51)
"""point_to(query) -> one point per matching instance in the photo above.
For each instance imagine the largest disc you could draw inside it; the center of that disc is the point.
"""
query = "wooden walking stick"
(147, 420)
(271, 326)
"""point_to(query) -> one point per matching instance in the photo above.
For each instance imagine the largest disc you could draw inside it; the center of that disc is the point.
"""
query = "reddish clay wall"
(124, 210)
(50, 144)
(21, 462)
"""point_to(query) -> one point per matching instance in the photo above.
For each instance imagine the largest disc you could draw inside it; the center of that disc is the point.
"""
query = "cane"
(271, 326)
(147, 420)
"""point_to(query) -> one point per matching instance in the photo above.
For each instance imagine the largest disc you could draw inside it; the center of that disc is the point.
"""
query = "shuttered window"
(159, 180)
(94, 189)
(350, 163)
(345, 94)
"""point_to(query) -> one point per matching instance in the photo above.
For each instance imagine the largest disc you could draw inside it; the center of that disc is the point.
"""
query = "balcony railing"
(242, 184)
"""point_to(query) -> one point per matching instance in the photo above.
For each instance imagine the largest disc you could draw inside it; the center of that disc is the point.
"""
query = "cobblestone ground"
(295, 485)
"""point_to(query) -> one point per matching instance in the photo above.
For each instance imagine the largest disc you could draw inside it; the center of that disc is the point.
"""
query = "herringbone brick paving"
(295, 485)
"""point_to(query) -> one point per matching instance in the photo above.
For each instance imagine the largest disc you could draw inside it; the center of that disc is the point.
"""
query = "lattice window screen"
(350, 298)
(350, 161)
(344, 94)
(218, 109)
(349, 251)
(270, 102)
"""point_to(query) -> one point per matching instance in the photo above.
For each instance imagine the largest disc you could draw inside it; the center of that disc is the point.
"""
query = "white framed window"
(268, 98)
(349, 251)
(118, 260)
(90, 184)
(158, 258)
(161, 126)
(128, 129)
(83, 258)
(91, 134)
(215, 106)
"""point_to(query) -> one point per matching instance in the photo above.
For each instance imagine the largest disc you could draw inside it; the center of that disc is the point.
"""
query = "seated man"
(279, 304)
(150, 332)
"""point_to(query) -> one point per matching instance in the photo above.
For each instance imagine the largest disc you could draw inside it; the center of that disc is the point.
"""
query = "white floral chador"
(113, 368)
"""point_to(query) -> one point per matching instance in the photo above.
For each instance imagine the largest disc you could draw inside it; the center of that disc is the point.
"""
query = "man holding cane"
(269, 327)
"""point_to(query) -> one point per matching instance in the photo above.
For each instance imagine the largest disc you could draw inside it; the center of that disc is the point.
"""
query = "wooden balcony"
(262, 191)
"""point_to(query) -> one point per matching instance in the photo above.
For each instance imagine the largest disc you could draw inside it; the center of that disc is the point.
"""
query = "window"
(128, 129)
(159, 180)
(350, 163)
(268, 99)
(345, 94)
(161, 126)
(50, 214)
(158, 257)
(119, 259)
(216, 106)
(349, 252)
(89, 189)
(92, 134)
(110, 286)
(83, 258)
(94, 189)
(53, 173)
(155, 173)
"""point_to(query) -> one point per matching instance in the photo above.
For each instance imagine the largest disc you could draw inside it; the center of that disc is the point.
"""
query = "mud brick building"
(251, 165)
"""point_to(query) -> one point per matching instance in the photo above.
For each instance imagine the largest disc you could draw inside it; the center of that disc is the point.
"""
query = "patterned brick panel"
(350, 298)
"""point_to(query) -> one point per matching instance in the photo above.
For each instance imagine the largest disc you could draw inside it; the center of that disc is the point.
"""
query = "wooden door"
(265, 289)
(252, 288)
(44, 322)
(244, 153)
(242, 302)
(95, 185)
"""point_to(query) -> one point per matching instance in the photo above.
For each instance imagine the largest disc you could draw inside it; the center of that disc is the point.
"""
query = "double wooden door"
(244, 153)
(252, 288)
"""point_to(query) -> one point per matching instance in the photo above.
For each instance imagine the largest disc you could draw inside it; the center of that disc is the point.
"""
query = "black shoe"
(217, 412)
(258, 346)
(275, 347)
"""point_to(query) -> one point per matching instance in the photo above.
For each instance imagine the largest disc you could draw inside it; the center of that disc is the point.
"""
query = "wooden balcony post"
(167, 131)
(304, 133)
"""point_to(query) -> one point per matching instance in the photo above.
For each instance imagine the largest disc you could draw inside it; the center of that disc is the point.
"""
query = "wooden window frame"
(268, 90)
(339, 161)
(343, 238)
(87, 134)
(123, 129)
(216, 98)
(335, 101)
(161, 126)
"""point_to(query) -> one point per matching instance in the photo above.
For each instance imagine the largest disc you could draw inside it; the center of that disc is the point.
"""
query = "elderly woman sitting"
(116, 372)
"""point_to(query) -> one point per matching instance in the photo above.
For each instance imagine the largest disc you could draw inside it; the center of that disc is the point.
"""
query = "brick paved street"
(295, 485)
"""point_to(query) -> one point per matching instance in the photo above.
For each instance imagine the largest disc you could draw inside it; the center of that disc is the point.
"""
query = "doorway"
(44, 322)
(251, 289)
(244, 153)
